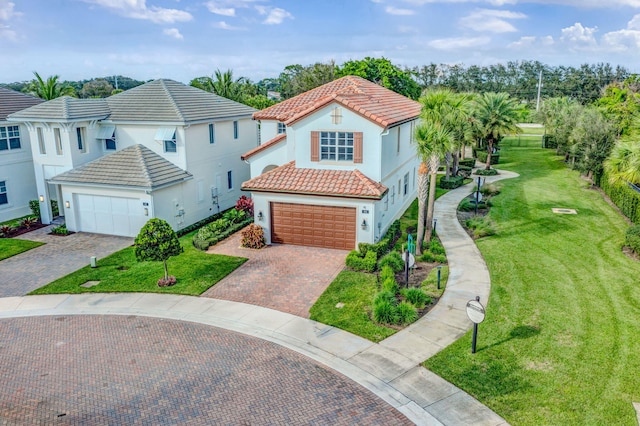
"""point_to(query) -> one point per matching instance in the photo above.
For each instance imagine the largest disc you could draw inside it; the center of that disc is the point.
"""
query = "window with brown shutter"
(357, 147)
(315, 146)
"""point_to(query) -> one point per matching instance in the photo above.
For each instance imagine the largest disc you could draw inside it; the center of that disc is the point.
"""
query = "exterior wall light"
(260, 216)
(41, 198)
(67, 204)
(364, 224)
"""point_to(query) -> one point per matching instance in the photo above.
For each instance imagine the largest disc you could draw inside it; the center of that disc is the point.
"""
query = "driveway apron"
(59, 256)
(283, 277)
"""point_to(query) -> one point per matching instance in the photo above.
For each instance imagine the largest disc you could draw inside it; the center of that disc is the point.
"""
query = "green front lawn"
(195, 270)
(10, 247)
(561, 343)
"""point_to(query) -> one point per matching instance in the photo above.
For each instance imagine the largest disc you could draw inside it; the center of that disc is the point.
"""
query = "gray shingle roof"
(159, 101)
(65, 108)
(169, 101)
(134, 167)
(12, 101)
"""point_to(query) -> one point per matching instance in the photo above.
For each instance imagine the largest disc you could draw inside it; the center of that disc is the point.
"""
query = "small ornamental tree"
(157, 241)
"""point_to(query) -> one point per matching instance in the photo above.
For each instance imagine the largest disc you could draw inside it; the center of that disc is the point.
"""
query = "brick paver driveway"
(284, 277)
(58, 257)
(131, 370)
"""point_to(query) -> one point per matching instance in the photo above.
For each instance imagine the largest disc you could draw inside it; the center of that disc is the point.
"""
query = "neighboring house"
(17, 181)
(162, 150)
(337, 165)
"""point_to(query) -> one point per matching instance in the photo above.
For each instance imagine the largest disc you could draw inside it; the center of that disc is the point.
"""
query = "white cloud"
(625, 39)
(530, 42)
(224, 26)
(575, 3)
(396, 11)
(219, 10)
(275, 16)
(634, 23)
(6, 10)
(6, 15)
(138, 9)
(458, 42)
(173, 32)
(579, 36)
(487, 20)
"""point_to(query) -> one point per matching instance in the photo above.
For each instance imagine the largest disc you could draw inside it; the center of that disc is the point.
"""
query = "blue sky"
(183, 39)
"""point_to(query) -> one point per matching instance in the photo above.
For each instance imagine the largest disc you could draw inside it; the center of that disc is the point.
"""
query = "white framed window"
(235, 130)
(405, 183)
(170, 145)
(58, 139)
(3, 192)
(282, 128)
(80, 135)
(9, 137)
(336, 146)
(41, 145)
(212, 133)
(230, 180)
(110, 143)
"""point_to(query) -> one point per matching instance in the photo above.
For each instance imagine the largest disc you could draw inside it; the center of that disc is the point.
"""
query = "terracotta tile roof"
(281, 137)
(334, 183)
(376, 103)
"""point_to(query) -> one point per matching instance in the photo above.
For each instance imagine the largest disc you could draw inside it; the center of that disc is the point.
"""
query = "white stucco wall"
(16, 170)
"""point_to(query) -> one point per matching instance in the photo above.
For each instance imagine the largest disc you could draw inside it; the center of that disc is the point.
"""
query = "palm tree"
(496, 115)
(623, 165)
(433, 141)
(49, 89)
(224, 85)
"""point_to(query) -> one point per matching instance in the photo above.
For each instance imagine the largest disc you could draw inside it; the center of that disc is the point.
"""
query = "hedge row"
(367, 255)
(482, 157)
(204, 244)
(452, 183)
(632, 238)
(626, 198)
(467, 162)
(201, 223)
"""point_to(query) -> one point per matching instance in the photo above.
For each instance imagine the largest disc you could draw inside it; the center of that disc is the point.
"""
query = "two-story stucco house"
(17, 181)
(337, 164)
(162, 150)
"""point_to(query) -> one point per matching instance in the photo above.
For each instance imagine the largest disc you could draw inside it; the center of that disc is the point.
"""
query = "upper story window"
(235, 130)
(9, 137)
(170, 145)
(405, 185)
(41, 145)
(282, 128)
(212, 133)
(58, 138)
(337, 146)
(108, 134)
(80, 135)
(3, 192)
(110, 142)
(230, 180)
(336, 115)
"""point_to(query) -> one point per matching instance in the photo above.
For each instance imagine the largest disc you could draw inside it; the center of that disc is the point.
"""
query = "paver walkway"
(58, 257)
(283, 277)
(390, 369)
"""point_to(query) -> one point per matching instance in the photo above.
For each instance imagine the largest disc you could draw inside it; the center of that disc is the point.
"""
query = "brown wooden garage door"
(317, 226)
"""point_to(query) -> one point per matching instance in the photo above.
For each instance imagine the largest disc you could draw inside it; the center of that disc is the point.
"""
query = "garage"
(109, 215)
(316, 226)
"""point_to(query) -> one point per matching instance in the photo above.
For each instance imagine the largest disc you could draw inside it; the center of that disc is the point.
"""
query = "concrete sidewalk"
(390, 369)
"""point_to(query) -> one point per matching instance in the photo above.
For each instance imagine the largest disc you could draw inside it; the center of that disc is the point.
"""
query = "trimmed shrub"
(390, 285)
(406, 313)
(199, 224)
(549, 141)
(385, 313)
(417, 297)
(60, 230)
(253, 237)
(358, 262)
(452, 183)
(468, 205)
(623, 196)
(467, 162)
(632, 238)
(235, 216)
(393, 260)
(378, 248)
(484, 172)
(34, 205)
(481, 226)
(217, 231)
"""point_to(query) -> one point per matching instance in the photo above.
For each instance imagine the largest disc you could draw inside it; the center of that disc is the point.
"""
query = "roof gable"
(268, 144)
(12, 101)
(133, 167)
(376, 103)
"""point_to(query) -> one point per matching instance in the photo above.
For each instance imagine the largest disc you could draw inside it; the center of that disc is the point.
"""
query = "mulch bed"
(22, 230)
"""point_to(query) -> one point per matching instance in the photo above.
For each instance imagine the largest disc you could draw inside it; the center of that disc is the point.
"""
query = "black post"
(474, 339)
(439, 268)
(406, 268)
(435, 222)
(478, 195)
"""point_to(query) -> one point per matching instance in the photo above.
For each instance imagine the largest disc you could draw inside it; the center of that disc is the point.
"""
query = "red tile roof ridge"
(281, 137)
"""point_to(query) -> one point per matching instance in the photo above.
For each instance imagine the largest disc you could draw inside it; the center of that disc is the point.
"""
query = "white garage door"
(110, 215)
